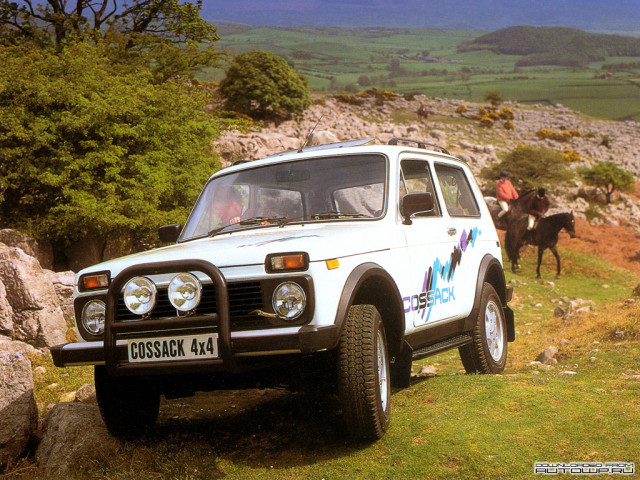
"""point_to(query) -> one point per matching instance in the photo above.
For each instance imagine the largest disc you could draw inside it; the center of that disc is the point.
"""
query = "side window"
(415, 176)
(456, 192)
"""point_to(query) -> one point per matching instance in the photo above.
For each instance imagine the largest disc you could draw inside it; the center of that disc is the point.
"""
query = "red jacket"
(505, 191)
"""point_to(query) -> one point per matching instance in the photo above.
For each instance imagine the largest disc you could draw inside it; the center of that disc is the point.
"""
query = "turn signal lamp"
(332, 264)
(287, 262)
(91, 282)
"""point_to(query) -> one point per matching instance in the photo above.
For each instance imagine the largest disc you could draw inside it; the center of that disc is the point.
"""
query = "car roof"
(351, 147)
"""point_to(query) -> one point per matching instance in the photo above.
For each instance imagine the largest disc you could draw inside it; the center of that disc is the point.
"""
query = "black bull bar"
(220, 320)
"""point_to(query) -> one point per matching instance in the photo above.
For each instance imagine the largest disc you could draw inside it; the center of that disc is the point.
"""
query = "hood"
(250, 247)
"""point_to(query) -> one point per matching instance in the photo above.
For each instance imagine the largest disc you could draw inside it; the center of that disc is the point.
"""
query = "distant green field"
(425, 61)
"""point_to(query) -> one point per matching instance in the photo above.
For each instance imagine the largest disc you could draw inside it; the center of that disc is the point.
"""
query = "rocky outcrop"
(34, 305)
(18, 409)
(72, 432)
(63, 285)
(14, 238)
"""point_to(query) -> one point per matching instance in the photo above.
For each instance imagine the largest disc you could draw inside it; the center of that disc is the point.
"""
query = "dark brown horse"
(544, 235)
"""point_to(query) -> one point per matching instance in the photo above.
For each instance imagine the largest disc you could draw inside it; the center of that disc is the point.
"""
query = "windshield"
(321, 189)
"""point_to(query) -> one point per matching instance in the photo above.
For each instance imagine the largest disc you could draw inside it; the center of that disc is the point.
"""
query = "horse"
(544, 235)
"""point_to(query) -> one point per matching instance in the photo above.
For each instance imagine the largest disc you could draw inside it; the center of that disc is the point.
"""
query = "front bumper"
(302, 339)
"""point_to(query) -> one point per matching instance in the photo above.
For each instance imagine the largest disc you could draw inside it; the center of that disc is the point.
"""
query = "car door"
(463, 225)
(428, 297)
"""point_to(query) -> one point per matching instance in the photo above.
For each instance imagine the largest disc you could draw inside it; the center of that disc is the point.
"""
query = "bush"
(608, 177)
(570, 156)
(262, 85)
(461, 109)
(563, 136)
(531, 167)
(507, 114)
(91, 152)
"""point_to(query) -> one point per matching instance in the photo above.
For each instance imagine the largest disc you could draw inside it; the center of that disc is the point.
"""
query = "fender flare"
(491, 267)
(355, 280)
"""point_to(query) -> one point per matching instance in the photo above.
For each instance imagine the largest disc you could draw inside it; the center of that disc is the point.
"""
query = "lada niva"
(365, 256)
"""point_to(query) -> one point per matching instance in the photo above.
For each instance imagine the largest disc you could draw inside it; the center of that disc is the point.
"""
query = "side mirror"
(169, 233)
(413, 203)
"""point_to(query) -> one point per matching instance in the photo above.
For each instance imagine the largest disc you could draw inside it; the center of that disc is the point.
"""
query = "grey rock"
(37, 317)
(548, 356)
(86, 394)
(428, 371)
(18, 409)
(72, 433)
(14, 238)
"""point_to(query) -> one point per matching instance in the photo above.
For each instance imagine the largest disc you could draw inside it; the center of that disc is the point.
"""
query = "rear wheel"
(363, 374)
(128, 405)
(488, 351)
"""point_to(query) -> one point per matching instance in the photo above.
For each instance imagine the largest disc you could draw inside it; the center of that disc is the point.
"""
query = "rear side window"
(456, 192)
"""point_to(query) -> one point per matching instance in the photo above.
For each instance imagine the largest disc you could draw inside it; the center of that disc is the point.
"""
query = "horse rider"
(538, 206)
(505, 193)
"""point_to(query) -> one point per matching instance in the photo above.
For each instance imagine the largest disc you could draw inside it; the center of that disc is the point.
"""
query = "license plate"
(162, 349)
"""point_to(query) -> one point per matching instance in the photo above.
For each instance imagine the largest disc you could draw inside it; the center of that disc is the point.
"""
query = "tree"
(607, 177)
(261, 84)
(91, 150)
(61, 21)
(494, 98)
(531, 167)
(162, 35)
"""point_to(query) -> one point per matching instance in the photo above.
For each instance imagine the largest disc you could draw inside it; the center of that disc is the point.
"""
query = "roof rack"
(350, 143)
(421, 144)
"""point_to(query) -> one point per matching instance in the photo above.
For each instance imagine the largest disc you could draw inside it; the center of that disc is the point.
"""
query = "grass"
(448, 426)
(334, 59)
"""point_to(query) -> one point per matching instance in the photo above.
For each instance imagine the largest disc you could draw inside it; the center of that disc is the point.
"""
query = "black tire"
(401, 369)
(128, 405)
(488, 351)
(363, 374)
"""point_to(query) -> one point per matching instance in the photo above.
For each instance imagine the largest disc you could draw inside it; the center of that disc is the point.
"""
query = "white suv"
(356, 257)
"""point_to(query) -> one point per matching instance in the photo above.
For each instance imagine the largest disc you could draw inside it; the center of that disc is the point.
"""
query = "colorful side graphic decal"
(432, 293)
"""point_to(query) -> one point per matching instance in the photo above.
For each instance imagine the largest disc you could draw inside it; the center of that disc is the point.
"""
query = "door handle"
(452, 231)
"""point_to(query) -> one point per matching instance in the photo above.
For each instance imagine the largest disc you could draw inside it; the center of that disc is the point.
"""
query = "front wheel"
(128, 405)
(488, 351)
(363, 373)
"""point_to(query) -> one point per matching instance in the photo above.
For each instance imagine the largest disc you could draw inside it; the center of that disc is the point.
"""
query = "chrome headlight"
(289, 300)
(140, 295)
(185, 291)
(92, 317)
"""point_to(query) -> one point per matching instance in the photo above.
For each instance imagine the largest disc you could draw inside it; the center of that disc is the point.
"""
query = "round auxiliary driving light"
(93, 315)
(185, 291)
(289, 300)
(140, 295)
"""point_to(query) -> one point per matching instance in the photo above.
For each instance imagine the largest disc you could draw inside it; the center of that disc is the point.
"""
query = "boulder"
(63, 285)
(547, 357)
(37, 317)
(72, 433)
(18, 409)
(14, 238)
(6, 313)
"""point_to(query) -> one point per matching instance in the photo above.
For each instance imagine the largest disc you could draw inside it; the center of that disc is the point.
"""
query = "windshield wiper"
(262, 220)
(336, 214)
(249, 222)
(217, 230)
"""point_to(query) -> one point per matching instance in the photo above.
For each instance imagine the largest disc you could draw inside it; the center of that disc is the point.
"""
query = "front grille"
(244, 297)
